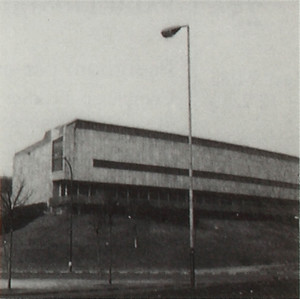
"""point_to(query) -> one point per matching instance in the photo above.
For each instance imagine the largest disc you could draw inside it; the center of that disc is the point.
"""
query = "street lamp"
(169, 32)
(71, 217)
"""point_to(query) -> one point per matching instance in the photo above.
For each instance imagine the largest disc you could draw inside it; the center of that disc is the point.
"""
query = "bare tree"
(9, 202)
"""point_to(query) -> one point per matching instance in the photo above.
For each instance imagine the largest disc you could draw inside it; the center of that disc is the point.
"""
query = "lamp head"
(169, 32)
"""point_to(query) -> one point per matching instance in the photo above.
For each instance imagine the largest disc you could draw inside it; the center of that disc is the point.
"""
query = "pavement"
(53, 284)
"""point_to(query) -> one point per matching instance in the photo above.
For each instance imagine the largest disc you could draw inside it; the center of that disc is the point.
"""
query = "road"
(285, 289)
(272, 281)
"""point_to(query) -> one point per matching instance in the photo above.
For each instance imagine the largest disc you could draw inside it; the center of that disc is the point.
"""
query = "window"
(57, 154)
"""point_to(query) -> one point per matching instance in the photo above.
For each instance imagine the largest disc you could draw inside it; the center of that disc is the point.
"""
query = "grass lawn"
(43, 244)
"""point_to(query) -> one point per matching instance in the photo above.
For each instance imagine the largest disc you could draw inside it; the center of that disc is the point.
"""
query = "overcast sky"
(107, 62)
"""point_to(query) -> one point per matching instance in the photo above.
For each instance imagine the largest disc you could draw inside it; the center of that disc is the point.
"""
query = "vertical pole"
(169, 32)
(110, 250)
(135, 203)
(191, 201)
(10, 254)
(71, 218)
(71, 225)
(59, 189)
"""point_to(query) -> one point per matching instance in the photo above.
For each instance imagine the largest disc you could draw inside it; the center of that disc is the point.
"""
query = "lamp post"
(169, 32)
(71, 217)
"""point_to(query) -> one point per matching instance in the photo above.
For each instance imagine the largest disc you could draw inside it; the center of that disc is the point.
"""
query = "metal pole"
(191, 200)
(110, 248)
(71, 218)
(169, 32)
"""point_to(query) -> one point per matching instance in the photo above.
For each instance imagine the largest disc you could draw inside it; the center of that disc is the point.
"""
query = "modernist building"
(151, 165)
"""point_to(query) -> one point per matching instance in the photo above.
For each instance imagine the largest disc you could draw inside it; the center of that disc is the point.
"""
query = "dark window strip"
(81, 124)
(57, 153)
(185, 172)
(205, 194)
(140, 167)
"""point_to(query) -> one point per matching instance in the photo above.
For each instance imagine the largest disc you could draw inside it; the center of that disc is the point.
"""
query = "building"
(151, 165)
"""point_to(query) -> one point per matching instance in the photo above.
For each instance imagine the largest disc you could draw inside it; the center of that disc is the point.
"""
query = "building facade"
(150, 165)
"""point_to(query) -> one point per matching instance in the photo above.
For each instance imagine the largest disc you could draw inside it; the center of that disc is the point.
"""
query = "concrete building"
(153, 166)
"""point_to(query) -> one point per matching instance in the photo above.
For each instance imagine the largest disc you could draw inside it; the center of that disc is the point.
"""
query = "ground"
(44, 244)
(246, 282)
(232, 256)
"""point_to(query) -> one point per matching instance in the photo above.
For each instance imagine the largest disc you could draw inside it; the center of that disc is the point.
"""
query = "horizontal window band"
(140, 167)
(185, 172)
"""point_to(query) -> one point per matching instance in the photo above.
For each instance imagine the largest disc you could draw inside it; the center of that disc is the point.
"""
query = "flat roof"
(125, 130)
(133, 131)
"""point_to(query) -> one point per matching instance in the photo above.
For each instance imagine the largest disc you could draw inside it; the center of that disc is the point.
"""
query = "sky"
(107, 62)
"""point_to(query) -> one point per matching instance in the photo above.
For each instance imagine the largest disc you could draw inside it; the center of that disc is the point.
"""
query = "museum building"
(153, 166)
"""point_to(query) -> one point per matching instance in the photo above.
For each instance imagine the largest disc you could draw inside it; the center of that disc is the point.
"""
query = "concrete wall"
(91, 144)
(32, 167)
(245, 164)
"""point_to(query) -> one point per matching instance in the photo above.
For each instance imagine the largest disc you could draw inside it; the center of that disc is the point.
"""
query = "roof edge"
(28, 149)
(179, 138)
